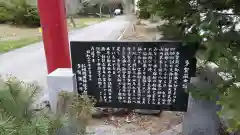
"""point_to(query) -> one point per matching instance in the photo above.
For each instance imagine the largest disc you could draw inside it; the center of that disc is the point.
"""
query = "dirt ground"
(153, 124)
(10, 32)
(142, 30)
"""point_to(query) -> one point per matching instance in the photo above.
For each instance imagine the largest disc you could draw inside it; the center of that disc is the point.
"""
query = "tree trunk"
(127, 6)
(100, 10)
(110, 11)
(72, 21)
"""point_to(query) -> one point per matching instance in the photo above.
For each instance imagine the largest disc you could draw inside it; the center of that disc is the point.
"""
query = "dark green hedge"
(19, 13)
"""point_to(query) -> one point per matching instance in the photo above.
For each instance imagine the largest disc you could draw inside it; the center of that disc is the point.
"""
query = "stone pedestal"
(59, 80)
(201, 117)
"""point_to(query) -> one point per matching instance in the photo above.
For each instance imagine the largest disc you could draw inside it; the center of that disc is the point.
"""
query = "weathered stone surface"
(201, 117)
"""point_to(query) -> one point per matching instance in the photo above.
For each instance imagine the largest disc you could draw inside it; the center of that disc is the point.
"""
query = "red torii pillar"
(55, 34)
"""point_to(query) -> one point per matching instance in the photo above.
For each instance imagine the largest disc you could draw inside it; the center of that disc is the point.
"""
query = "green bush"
(143, 12)
(19, 12)
(21, 115)
(92, 9)
(32, 18)
(18, 115)
(3, 15)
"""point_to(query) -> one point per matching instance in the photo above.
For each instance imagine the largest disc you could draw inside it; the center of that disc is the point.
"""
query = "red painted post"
(55, 34)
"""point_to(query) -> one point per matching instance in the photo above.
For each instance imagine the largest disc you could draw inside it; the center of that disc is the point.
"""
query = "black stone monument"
(136, 75)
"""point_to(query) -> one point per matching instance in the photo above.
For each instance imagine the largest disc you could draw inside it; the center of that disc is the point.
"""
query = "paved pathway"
(29, 63)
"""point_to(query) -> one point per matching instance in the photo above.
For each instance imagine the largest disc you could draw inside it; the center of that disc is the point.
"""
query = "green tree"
(214, 25)
(143, 6)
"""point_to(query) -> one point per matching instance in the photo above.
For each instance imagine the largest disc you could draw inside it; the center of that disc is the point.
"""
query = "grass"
(19, 37)
(6, 46)
(83, 22)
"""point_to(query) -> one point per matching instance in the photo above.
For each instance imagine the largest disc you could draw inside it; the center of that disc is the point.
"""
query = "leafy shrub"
(32, 18)
(143, 12)
(17, 113)
(79, 107)
(3, 15)
(19, 12)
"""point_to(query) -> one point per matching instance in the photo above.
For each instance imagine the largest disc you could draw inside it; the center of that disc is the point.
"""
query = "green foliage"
(17, 113)
(3, 15)
(19, 12)
(102, 5)
(214, 24)
(143, 12)
(79, 107)
(94, 7)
